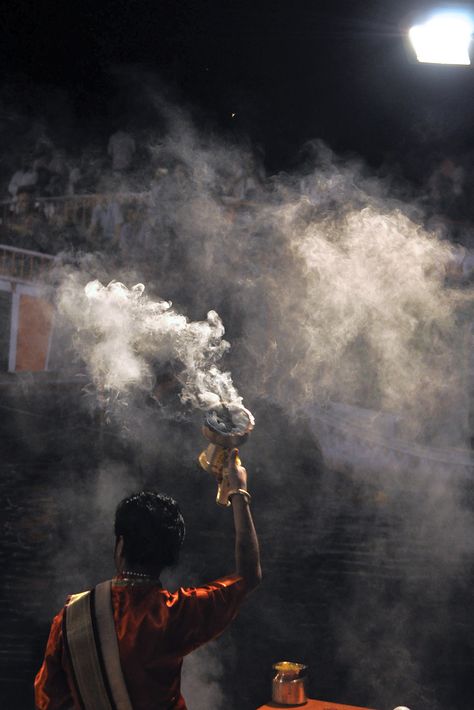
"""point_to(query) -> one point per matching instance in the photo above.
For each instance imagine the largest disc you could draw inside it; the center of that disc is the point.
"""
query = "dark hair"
(152, 528)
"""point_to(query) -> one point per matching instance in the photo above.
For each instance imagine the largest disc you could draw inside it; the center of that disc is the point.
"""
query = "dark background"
(289, 72)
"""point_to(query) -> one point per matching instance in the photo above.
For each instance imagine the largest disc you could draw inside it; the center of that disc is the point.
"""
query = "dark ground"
(334, 555)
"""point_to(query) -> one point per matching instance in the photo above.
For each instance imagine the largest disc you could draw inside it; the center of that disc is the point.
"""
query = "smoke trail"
(125, 338)
(202, 672)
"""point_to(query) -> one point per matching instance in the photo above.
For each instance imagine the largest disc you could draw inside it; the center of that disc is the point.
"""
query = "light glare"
(443, 39)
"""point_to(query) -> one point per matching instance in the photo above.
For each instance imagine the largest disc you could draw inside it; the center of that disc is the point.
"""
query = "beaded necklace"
(128, 577)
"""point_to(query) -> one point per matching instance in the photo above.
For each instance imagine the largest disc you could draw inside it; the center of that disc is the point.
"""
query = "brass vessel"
(289, 683)
(222, 437)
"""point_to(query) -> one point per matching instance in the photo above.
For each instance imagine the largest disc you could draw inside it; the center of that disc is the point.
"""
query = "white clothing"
(22, 178)
(74, 176)
(108, 217)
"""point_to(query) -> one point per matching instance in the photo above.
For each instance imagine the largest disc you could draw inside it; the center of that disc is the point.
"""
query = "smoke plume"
(122, 336)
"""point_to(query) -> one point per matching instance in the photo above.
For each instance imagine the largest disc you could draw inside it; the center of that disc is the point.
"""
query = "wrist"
(242, 493)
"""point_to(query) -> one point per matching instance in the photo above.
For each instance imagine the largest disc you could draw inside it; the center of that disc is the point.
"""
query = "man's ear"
(119, 545)
(118, 553)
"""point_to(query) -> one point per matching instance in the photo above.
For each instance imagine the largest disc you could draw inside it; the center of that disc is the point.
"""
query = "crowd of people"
(122, 197)
(54, 202)
(105, 200)
(50, 172)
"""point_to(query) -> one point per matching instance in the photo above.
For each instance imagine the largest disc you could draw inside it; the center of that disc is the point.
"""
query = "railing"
(76, 209)
(73, 208)
(23, 264)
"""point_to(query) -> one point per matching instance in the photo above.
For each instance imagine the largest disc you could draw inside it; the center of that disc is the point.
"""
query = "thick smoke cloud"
(121, 335)
(336, 290)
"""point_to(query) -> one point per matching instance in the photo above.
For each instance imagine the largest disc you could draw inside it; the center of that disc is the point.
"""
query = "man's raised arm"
(247, 554)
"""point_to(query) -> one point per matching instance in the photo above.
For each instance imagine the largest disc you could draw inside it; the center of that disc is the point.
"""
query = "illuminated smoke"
(122, 335)
(367, 318)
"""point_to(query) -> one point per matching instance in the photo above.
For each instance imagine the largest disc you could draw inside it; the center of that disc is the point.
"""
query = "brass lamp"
(223, 434)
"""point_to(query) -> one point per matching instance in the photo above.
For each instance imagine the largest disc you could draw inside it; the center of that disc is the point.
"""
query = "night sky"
(289, 71)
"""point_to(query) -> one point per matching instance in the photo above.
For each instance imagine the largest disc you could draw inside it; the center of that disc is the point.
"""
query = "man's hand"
(236, 473)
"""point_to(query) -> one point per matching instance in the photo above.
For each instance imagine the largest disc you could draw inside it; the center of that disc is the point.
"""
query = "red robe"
(155, 630)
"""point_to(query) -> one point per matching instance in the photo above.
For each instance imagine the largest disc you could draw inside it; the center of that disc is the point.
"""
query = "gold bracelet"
(239, 492)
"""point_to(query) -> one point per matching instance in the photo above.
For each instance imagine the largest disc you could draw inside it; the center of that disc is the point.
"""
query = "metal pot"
(289, 683)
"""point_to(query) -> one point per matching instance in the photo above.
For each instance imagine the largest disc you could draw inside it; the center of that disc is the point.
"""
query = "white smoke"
(121, 335)
(201, 679)
(372, 321)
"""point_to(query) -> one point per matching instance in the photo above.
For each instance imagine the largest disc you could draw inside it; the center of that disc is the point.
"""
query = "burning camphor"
(120, 332)
(225, 428)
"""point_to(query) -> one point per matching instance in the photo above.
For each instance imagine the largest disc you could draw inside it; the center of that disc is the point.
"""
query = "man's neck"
(135, 570)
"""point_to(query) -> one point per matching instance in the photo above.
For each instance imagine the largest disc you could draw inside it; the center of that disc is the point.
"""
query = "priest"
(120, 646)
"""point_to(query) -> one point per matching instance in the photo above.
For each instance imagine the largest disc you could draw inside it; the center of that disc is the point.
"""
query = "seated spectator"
(168, 186)
(42, 183)
(41, 159)
(59, 171)
(159, 182)
(92, 166)
(106, 220)
(75, 179)
(26, 176)
(25, 204)
(121, 149)
(134, 230)
(28, 228)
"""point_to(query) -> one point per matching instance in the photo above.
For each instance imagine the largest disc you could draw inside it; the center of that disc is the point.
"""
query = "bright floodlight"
(443, 39)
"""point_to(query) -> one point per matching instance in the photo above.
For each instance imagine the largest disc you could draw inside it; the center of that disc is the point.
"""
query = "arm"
(202, 613)
(247, 553)
(52, 690)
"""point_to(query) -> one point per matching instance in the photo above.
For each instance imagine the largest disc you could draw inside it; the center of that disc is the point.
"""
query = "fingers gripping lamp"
(224, 431)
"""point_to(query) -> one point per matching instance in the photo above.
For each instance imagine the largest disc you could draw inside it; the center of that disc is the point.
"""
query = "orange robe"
(155, 630)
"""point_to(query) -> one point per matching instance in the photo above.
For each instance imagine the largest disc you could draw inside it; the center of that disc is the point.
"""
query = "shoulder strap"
(82, 649)
(109, 645)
